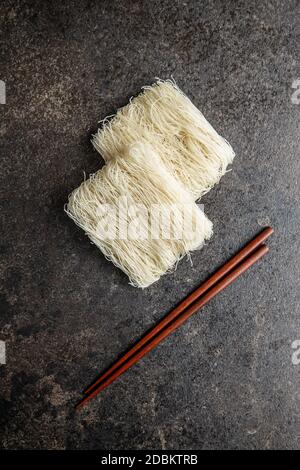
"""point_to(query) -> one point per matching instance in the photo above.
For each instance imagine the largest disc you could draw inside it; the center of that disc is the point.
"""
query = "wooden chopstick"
(221, 272)
(198, 304)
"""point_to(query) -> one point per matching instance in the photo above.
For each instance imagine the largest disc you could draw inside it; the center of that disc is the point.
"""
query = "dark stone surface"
(224, 380)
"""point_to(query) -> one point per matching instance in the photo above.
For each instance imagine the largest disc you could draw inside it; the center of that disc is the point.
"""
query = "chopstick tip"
(264, 248)
(79, 404)
(268, 229)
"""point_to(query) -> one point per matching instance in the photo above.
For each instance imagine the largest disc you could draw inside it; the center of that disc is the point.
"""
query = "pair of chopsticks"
(221, 279)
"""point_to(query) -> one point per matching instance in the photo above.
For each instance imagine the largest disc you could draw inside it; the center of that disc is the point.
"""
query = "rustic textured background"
(224, 380)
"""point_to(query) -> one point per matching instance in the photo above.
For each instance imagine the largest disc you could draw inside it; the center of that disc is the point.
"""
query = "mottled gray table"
(224, 380)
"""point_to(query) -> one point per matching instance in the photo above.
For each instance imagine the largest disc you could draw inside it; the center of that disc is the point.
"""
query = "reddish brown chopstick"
(221, 285)
(225, 269)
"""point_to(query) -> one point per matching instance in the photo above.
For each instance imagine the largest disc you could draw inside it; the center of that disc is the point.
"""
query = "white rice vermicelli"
(193, 152)
(142, 179)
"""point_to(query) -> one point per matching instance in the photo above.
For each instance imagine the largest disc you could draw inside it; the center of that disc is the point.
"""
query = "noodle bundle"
(193, 152)
(131, 192)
